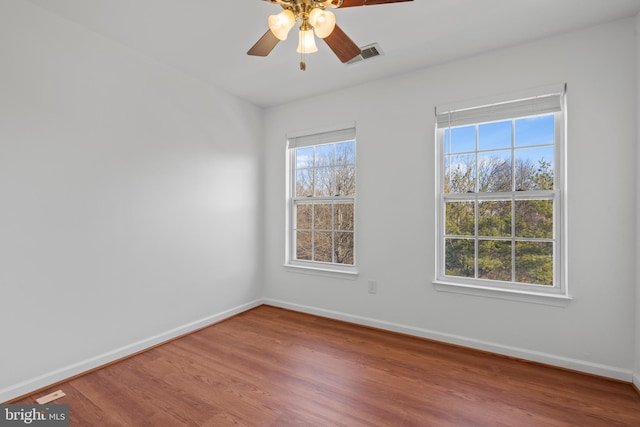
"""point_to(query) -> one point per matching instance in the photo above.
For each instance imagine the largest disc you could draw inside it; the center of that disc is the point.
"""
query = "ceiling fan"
(314, 17)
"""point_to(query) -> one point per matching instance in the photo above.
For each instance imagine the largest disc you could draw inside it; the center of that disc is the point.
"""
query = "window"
(322, 193)
(500, 182)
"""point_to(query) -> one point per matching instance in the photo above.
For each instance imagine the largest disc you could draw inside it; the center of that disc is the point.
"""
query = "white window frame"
(328, 135)
(538, 101)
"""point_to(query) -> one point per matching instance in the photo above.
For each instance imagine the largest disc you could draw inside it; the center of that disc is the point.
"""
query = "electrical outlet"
(373, 287)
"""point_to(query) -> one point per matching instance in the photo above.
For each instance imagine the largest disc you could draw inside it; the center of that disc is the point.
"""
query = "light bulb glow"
(306, 42)
(282, 23)
(322, 21)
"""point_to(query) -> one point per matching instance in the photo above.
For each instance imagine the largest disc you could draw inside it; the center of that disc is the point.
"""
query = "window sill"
(350, 273)
(557, 300)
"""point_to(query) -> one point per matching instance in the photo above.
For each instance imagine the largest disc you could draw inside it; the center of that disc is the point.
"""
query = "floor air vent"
(366, 52)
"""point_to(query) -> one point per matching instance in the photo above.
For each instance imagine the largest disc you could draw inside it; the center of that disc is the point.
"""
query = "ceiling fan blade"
(352, 3)
(265, 45)
(340, 43)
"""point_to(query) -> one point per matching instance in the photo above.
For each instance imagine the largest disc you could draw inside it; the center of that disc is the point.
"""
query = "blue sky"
(534, 138)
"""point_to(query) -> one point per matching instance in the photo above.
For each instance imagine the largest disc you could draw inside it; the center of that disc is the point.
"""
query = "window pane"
(494, 171)
(459, 174)
(534, 263)
(534, 169)
(322, 246)
(534, 131)
(303, 245)
(325, 155)
(494, 135)
(460, 218)
(322, 216)
(534, 218)
(459, 257)
(304, 157)
(463, 139)
(494, 259)
(304, 182)
(345, 180)
(494, 218)
(343, 216)
(346, 153)
(343, 248)
(447, 141)
(324, 181)
(303, 216)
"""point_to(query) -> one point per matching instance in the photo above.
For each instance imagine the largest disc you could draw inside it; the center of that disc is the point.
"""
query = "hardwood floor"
(274, 367)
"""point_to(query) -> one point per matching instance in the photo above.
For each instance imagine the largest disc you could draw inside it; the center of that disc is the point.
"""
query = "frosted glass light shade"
(281, 23)
(306, 42)
(322, 21)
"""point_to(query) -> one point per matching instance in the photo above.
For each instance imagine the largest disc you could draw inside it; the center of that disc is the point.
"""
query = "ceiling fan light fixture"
(282, 23)
(306, 42)
(322, 21)
(316, 21)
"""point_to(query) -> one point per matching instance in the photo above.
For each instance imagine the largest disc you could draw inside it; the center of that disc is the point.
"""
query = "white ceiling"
(209, 38)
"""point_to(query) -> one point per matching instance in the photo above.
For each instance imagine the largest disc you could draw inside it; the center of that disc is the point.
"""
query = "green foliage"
(494, 259)
(494, 218)
(459, 257)
(460, 218)
(534, 219)
(534, 263)
(543, 177)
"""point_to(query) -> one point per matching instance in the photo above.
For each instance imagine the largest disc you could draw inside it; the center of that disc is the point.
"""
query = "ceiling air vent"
(366, 52)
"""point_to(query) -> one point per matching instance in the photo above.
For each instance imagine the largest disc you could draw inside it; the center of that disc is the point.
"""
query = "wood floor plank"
(275, 367)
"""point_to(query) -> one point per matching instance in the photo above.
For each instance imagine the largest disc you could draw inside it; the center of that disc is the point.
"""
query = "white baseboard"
(33, 384)
(545, 358)
(636, 380)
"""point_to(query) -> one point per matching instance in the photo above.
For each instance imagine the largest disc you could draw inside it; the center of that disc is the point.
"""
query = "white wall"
(129, 201)
(395, 211)
(636, 377)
